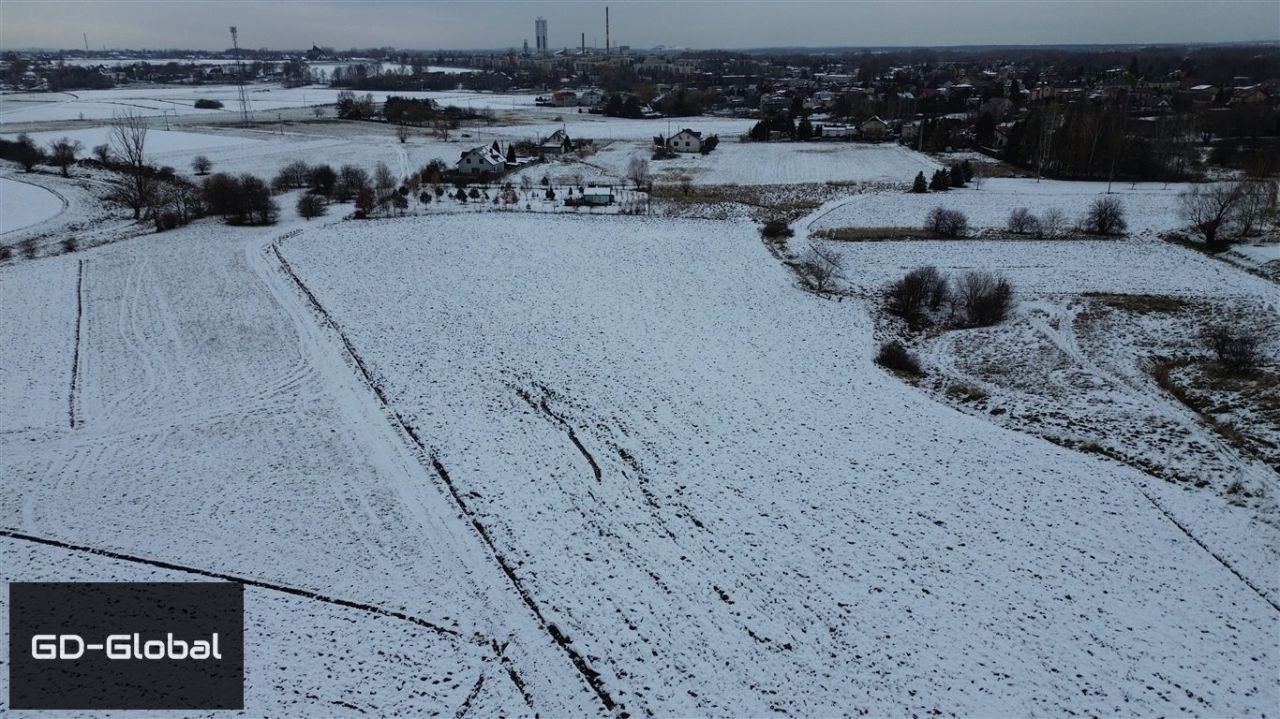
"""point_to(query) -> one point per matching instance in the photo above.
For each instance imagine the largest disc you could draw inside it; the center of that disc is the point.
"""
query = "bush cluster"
(927, 296)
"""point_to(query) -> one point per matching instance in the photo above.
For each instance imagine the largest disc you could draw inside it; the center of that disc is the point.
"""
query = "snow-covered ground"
(23, 205)
(1057, 267)
(768, 163)
(746, 516)
(1150, 207)
(160, 142)
(179, 385)
(156, 101)
(629, 446)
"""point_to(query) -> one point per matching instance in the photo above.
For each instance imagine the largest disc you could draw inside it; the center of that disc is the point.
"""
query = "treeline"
(401, 111)
(1085, 142)
(370, 78)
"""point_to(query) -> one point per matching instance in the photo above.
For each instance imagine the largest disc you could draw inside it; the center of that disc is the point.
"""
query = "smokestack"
(606, 29)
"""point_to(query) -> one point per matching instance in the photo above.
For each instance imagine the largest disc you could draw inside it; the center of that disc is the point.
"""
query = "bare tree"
(62, 153)
(318, 111)
(1053, 223)
(1256, 196)
(638, 171)
(402, 133)
(1022, 222)
(947, 223)
(821, 266)
(103, 153)
(201, 165)
(128, 134)
(984, 297)
(1105, 216)
(1208, 209)
(383, 179)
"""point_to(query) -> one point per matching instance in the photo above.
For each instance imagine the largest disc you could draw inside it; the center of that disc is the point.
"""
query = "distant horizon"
(774, 48)
(703, 25)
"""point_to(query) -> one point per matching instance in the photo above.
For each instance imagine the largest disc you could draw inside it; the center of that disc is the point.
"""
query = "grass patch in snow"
(1237, 407)
(870, 234)
(1140, 303)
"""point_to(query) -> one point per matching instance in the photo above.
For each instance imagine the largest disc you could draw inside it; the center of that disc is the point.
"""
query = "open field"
(23, 205)
(525, 463)
(705, 497)
(1150, 208)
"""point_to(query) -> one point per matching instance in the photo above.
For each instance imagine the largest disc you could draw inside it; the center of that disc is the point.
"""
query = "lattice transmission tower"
(245, 117)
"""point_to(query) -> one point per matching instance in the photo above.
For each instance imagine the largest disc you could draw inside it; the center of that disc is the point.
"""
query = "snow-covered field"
(775, 163)
(1150, 207)
(1058, 267)
(179, 387)
(23, 205)
(155, 101)
(747, 516)
(574, 466)
(160, 142)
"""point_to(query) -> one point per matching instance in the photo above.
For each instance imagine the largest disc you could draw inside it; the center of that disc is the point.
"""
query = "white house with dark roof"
(482, 160)
(685, 141)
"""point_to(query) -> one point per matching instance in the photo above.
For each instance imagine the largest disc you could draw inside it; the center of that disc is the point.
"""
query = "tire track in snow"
(542, 406)
(590, 676)
(73, 397)
(248, 582)
(1064, 339)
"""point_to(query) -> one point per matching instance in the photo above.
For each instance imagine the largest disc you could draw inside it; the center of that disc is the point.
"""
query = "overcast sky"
(421, 24)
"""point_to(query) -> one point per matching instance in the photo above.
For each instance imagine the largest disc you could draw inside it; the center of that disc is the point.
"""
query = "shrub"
(1104, 217)
(70, 244)
(893, 356)
(776, 230)
(6, 252)
(984, 297)
(918, 290)
(310, 205)
(207, 104)
(23, 151)
(28, 248)
(947, 223)
(820, 266)
(1235, 349)
(1022, 222)
(1053, 223)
